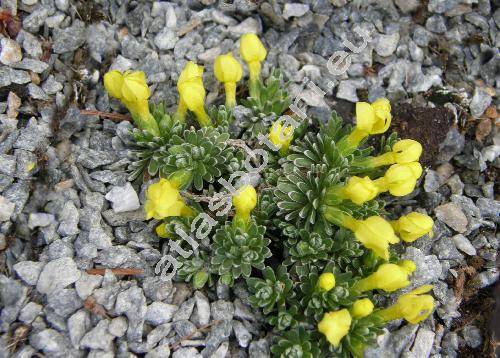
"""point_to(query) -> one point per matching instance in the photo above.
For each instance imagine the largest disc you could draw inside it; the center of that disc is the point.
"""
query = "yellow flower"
(388, 277)
(372, 118)
(163, 200)
(375, 233)
(132, 90)
(400, 179)
(335, 326)
(253, 52)
(412, 306)
(244, 201)
(407, 151)
(359, 190)
(190, 72)
(362, 308)
(326, 281)
(281, 137)
(228, 71)
(412, 226)
(192, 94)
(404, 151)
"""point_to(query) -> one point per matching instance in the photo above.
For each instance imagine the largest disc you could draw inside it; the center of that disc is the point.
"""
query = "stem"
(230, 88)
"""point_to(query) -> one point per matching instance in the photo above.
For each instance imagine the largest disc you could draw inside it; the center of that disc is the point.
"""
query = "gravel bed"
(66, 205)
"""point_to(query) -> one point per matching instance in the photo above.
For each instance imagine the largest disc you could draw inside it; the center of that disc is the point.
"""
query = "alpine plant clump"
(308, 233)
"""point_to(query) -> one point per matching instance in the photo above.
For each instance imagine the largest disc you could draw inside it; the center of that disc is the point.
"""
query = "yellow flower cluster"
(335, 325)
(163, 200)
(132, 90)
(227, 70)
(244, 201)
(399, 180)
(281, 136)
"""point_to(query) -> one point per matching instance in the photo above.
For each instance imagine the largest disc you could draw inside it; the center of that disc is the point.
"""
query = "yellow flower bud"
(228, 71)
(359, 190)
(163, 200)
(281, 136)
(253, 52)
(132, 90)
(412, 306)
(407, 151)
(362, 308)
(161, 231)
(192, 93)
(326, 281)
(388, 277)
(335, 326)
(244, 201)
(400, 179)
(374, 233)
(413, 226)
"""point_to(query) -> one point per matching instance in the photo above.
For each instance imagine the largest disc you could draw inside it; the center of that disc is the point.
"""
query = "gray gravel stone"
(166, 39)
(157, 334)
(28, 271)
(222, 310)
(86, 284)
(98, 337)
(69, 218)
(50, 342)
(12, 296)
(294, 10)
(123, 198)
(78, 325)
(29, 312)
(472, 336)
(464, 245)
(422, 346)
(202, 308)
(118, 326)
(436, 24)
(10, 52)
(6, 209)
(385, 45)
(159, 313)
(186, 352)
(185, 310)
(70, 38)
(132, 303)
(64, 302)
(452, 215)
(259, 348)
(243, 336)
(57, 274)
